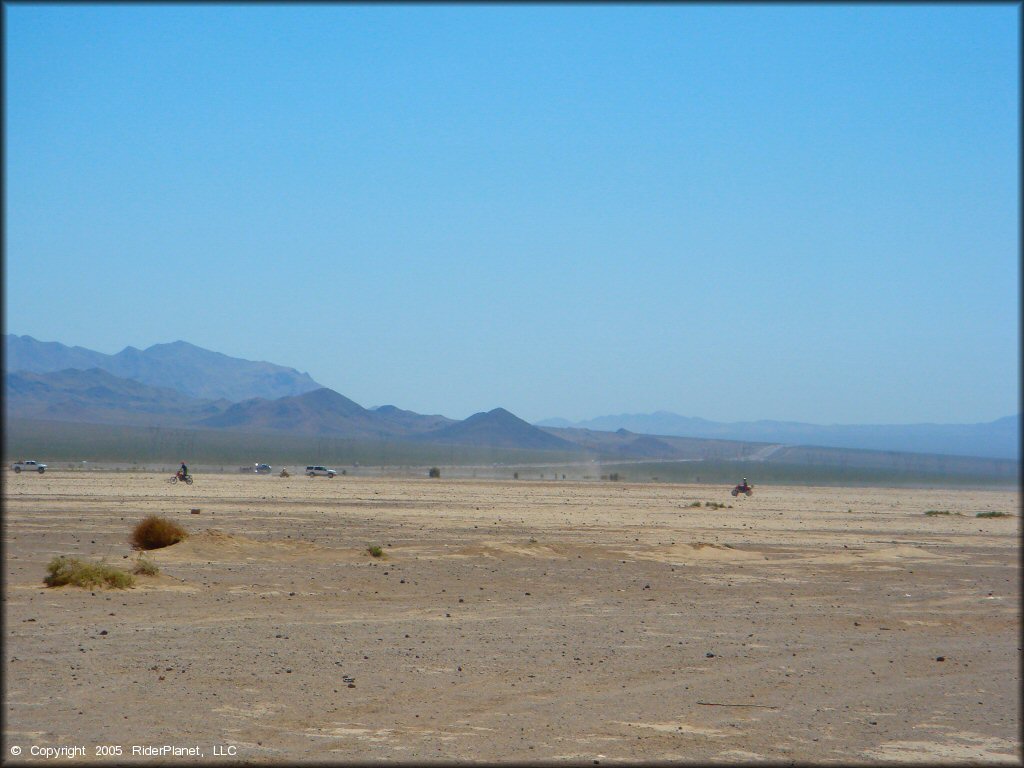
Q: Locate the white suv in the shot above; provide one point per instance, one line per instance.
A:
(30, 466)
(323, 471)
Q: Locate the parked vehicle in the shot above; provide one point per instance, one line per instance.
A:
(262, 469)
(28, 466)
(312, 471)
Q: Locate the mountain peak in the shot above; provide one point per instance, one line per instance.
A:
(180, 365)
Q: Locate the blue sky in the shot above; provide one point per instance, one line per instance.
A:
(739, 212)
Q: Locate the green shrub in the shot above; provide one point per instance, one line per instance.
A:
(695, 504)
(993, 514)
(155, 532)
(934, 512)
(375, 551)
(434, 472)
(70, 570)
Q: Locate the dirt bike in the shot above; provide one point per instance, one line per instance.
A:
(741, 488)
(187, 479)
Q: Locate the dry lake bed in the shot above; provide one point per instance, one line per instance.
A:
(513, 621)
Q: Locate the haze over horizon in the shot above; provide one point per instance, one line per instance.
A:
(795, 213)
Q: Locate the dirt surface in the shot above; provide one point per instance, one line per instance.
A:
(515, 621)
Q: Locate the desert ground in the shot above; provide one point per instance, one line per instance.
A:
(524, 621)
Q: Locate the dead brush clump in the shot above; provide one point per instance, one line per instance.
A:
(156, 532)
(144, 567)
(80, 573)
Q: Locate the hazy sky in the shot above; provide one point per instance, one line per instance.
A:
(736, 212)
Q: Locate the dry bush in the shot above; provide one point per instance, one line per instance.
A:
(71, 570)
(155, 532)
(144, 567)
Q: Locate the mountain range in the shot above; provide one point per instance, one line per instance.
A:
(179, 365)
(994, 439)
(181, 385)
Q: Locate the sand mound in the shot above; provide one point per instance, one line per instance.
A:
(214, 545)
(696, 552)
(504, 549)
(893, 554)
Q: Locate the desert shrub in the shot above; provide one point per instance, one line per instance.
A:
(434, 472)
(993, 514)
(614, 477)
(144, 567)
(71, 570)
(155, 532)
(695, 504)
(936, 512)
(375, 551)
(714, 504)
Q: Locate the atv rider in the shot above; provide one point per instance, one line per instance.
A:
(744, 485)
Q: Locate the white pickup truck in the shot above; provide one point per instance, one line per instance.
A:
(28, 466)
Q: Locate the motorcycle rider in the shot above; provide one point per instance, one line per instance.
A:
(183, 472)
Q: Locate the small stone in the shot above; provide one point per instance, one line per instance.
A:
(940, 658)
(710, 655)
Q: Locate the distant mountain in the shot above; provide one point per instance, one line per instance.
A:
(320, 412)
(410, 421)
(179, 365)
(95, 396)
(996, 439)
(179, 384)
(499, 429)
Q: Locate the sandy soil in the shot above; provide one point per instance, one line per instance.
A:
(519, 621)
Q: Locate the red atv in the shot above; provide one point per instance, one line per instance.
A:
(743, 487)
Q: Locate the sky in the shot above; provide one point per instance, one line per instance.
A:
(737, 212)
